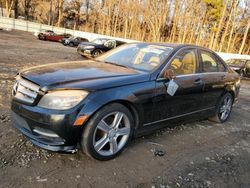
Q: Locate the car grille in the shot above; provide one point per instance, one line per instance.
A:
(25, 91)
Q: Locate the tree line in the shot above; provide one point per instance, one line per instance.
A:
(221, 25)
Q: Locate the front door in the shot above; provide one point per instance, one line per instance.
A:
(188, 97)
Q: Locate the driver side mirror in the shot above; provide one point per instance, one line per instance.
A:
(169, 74)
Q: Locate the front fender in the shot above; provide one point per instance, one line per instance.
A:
(137, 95)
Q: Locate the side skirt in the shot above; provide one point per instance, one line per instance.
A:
(175, 121)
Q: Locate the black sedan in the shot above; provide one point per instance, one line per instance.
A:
(136, 88)
(73, 41)
(241, 66)
(97, 46)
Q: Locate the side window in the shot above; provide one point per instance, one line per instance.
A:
(221, 66)
(184, 62)
(110, 44)
(248, 64)
(210, 63)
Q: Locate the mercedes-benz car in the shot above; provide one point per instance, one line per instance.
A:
(99, 105)
(97, 47)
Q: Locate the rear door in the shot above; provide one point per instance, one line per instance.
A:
(214, 76)
(188, 97)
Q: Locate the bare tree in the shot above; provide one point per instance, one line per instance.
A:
(215, 42)
(60, 12)
(8, 7)
(245, 37)
(1, 4)
(222, 25)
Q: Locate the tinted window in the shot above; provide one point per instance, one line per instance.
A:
(110, 44)
(100, 41)
(184, 62)
(210, 63)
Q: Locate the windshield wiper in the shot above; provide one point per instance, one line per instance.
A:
(116, 64)
(108, 62)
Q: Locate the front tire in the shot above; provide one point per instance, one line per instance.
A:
(242, 74)
(108, 132)
(41, 37)
(96, 53)
(223, 109)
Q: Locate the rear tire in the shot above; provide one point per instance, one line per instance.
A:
(108, 132)
(223, 109)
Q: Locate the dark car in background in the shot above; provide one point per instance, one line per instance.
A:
(241, 66)
(97, 46)
(73, 41)
(102, 103)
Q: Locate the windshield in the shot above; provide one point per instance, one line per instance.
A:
(237, 62)
(72, 37)
(145, 57)
(99, 41)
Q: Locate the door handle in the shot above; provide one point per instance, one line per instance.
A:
(198, 82)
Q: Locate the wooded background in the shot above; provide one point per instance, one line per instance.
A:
(221, 25)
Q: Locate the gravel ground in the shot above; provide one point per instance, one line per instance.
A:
(198, 154)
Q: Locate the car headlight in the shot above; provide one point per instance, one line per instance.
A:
(62, 100)
(89, 47)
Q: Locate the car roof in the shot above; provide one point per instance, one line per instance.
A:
(110, 39)
(174, 45)
(239, 59)
(102, 39)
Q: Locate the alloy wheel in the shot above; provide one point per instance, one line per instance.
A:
(225, 108)
(111, 134)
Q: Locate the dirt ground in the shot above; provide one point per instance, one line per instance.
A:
(199, 154)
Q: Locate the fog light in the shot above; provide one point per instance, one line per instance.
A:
(45, 132)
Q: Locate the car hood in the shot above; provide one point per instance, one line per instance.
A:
(83, 44)
(88, 74)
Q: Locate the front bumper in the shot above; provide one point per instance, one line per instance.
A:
(84, 52)
(48, 130)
